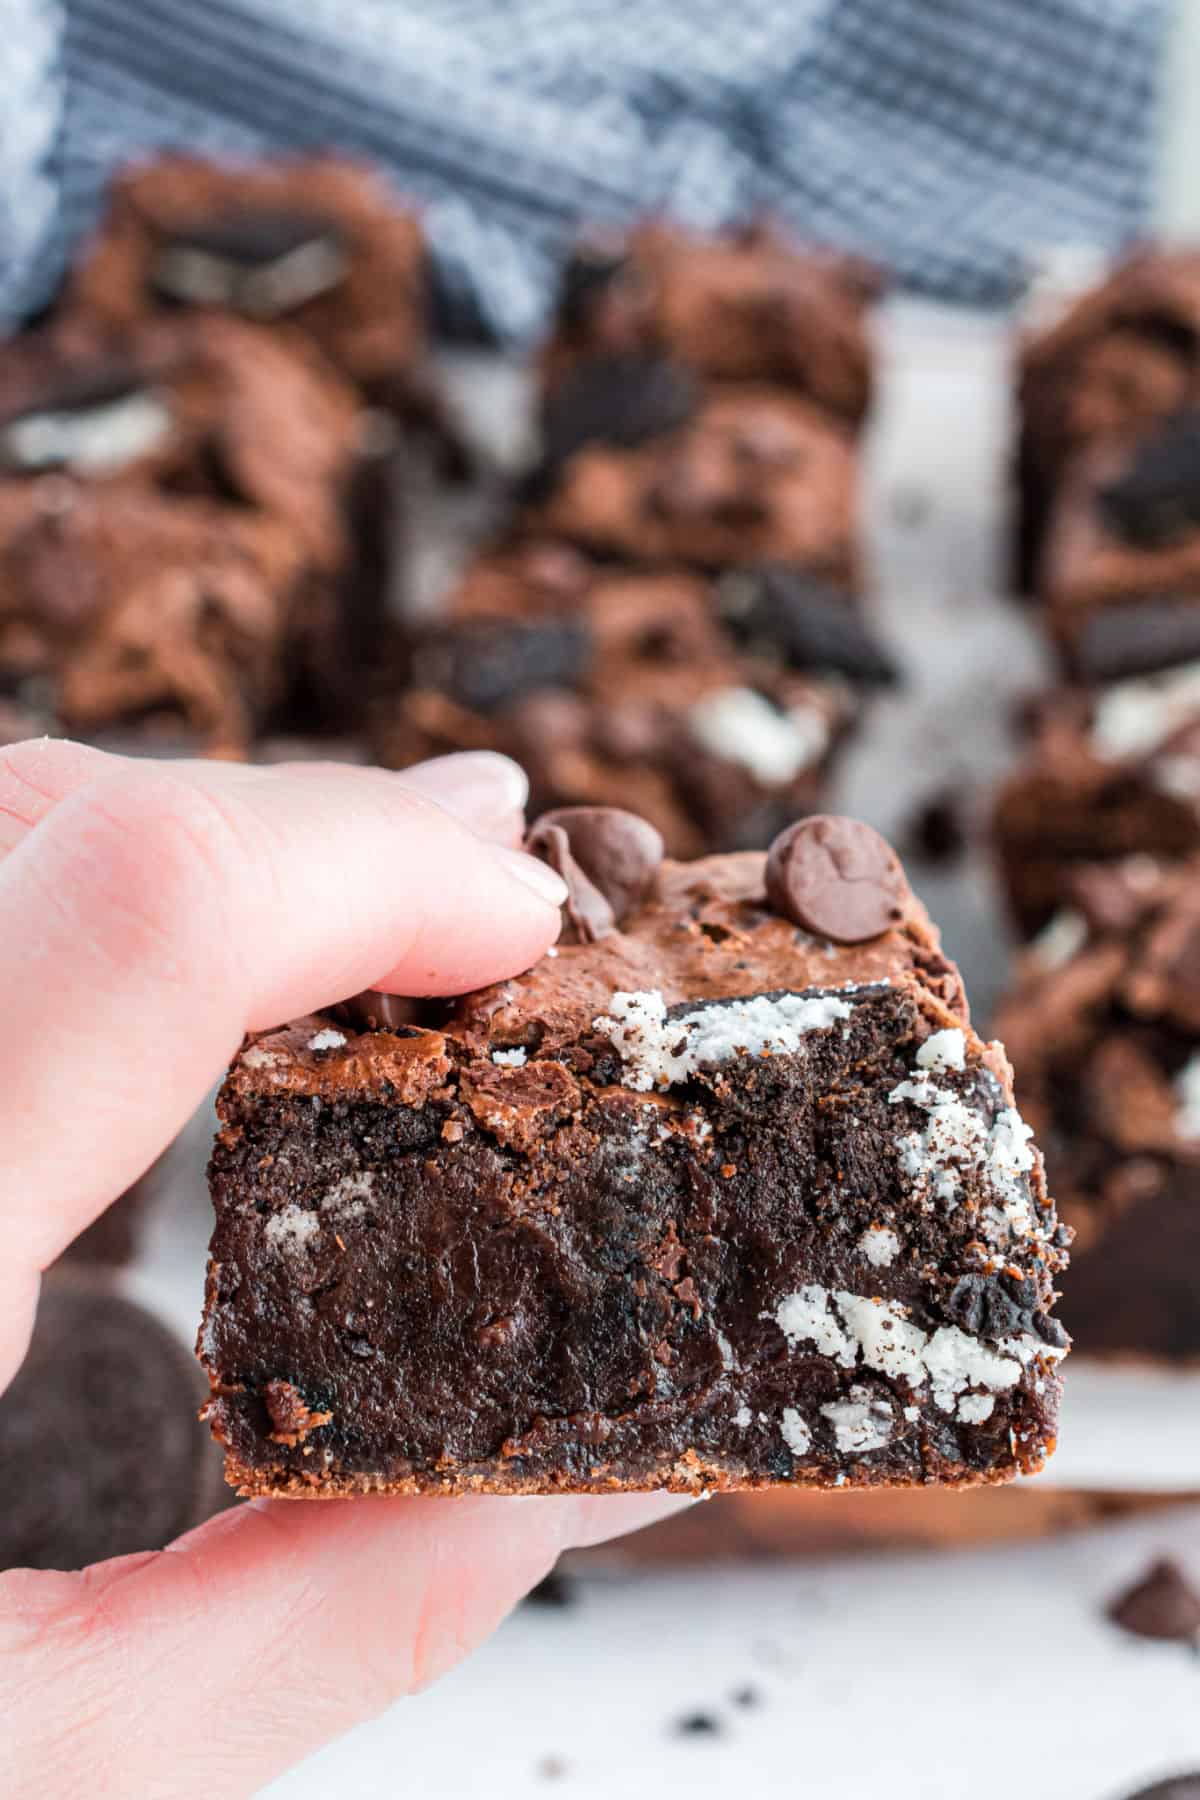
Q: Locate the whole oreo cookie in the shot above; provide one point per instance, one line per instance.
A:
(100, 1442)
(1157, 499)
(485, 664)
(784, 613)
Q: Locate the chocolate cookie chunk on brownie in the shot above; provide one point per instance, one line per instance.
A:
(745, 306)
(715, 710)
(99, 1442)
(754, 475)
(1109, 773)
(1124, 357)
(318, 243)
(1104, 1029)
(1119, 573)
(724, 1192)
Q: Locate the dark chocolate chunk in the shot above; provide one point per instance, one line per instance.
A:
(1157, 498)
(802, 621)
(621, 400)
(1162, 1604)
(1138, 637)
(485, 664)
(619, 852)
(100, 1444)
(836, 878)
(589, 914)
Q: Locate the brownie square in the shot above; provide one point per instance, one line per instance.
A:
(1119, 572)
(1108, 773)
(723, 1193)
(177, 620)
(1120, 359)
(753, 475)
(714, 709)
(1104, 1026)
(317, 243)
(746, 306)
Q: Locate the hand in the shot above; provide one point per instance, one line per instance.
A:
(149, 915)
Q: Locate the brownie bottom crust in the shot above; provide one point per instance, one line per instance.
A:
(827, 1267)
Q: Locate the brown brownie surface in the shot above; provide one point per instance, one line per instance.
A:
(617, 1223)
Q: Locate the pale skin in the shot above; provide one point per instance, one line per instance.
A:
(149, 915)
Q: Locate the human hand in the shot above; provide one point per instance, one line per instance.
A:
(149, 915)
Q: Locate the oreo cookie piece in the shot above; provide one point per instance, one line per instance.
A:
(93, 419)
(1138, 637)
(262, 262)
(484, 664)
(623, 400)
(1157, 499)
(101, 1447)
(792, 617)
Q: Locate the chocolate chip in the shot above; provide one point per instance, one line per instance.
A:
(1139, 637)
(836, 878)
(589, 915)
(372, 1011)
(782, 612)
(623, 400)
(485, 664)
(1162, 1604)
(1156, 500)
(619, 852)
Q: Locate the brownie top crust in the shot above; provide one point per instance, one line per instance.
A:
(705, 932)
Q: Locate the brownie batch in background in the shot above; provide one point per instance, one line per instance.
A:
(194, 532)
(1104, 1030)
(1107, 773)
(713, 709)
(724, 1192)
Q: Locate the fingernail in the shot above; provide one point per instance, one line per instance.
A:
(534, 875)
(477, 786)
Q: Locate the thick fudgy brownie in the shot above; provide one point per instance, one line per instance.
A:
(99, 1443)
(1108, 773)
(1104, 1029)
(1121, 358)
(753, 475)
(746, 306)
(178, 618)
(1119, 573)
(724, 1192)
(317, 242)
(713, 709)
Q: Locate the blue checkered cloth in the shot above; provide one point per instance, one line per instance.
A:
(946, 139)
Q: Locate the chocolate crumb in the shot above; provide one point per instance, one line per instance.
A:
(290, 1413)
(552, 1768)
(699, 1724)
(746, 1697)
(1162, 1604)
